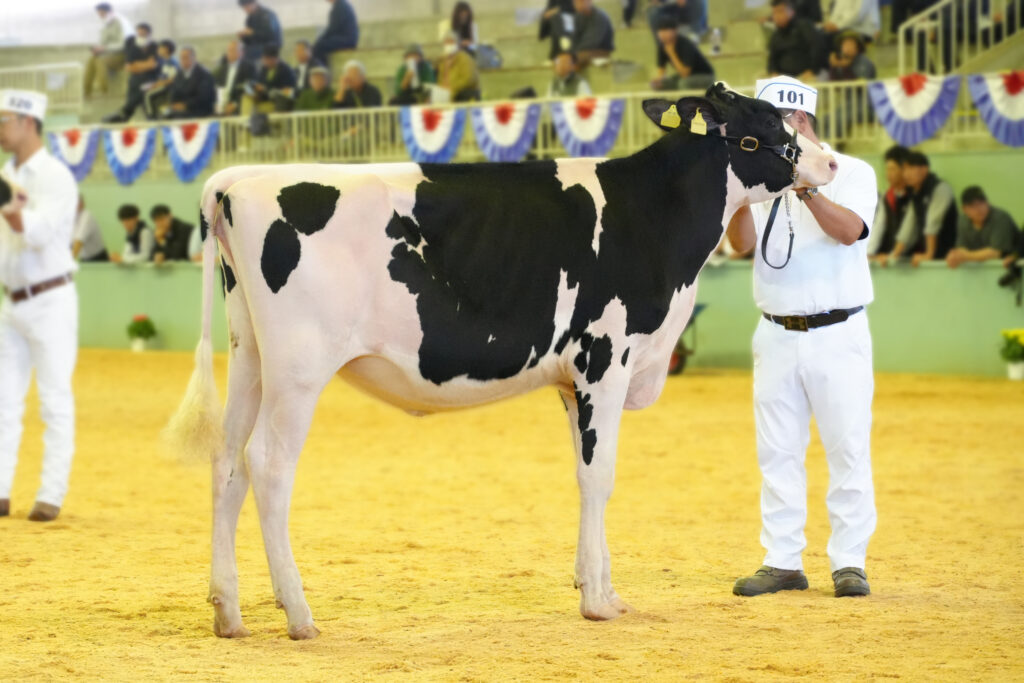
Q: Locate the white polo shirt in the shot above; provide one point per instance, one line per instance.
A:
(823, 274)
(43, 251)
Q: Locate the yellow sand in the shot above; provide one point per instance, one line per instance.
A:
(442, 547)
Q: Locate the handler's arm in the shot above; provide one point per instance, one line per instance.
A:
(837, 222)
(740, 232)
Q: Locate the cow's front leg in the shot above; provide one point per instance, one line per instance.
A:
(594, 414)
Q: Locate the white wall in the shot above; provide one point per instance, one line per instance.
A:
(71, 22)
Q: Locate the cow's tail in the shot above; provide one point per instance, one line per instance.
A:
(196, 431)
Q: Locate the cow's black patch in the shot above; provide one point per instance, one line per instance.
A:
(600, 359)
(225, 206)
(499, 236)
(204, 227)
(625, 357)
(228, 275)
(308, 206)
(403, 228)
(588, 436)
(281, 251)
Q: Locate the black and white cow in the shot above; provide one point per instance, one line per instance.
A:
(435, 287)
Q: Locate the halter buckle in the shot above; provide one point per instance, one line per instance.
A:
(789, 153)
(749, 144)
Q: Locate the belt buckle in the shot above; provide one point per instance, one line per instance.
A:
(797, 323)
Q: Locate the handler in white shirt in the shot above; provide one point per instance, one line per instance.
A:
(812, 355)
(39, 313)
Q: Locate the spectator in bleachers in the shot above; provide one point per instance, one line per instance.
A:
(171, 236)
(138, 238)
(457, 74)
(849, 62)
(342, 32)
(795, 48)
(556, 23)
(87, 240)
(318, 96)
(690, 70)
(142, 65)
(262, 30)
(593, 36)
(354, 91)
(304, 62)
(193, 94)
(892, 204)
(273, 89)
(805, 9)
(859, 16)
(231, 77)
(984, 232)
(107, 56)
(412, 78)
(691, 16)
(928, 230)
(464, 27)
(156, 93)
(567, 81)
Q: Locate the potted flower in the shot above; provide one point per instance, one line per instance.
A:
(140, 329)
(1013, 353)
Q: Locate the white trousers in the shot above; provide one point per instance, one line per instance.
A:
(826, 372)
(41, 334)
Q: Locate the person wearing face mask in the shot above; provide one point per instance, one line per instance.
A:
(412, 77)
(143, 66)
(457, 72)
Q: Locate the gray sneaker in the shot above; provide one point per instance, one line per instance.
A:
(770, 580)
(850, 582)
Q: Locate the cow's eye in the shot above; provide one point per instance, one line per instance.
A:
(773, 122)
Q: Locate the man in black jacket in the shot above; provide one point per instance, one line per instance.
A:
(193, 92)
(273, 88)
(142, 65)
(171, 235)
(342, 32)
(796, 46)
(232, 75)
(262, 29)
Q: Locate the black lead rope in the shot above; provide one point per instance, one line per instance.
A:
(768, 231)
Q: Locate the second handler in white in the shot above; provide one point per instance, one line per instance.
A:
(39, 313)
(812, 355)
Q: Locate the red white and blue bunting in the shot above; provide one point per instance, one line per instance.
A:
(77, 149)
(913, 108)
(129, 152)
(190, 147)
(432, 135)
(588, 127)
(1000, 101)
(505, 132)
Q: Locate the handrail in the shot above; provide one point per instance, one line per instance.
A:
(62, 83)
(951, 33)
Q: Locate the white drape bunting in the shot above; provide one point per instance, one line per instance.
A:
(77, 149)
(913, 108)
(190, 147)
(505, 132)
(588, 127)
(1000, 101)
(432, 135)
(129, 152)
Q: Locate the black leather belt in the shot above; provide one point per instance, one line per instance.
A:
(19, 295)
(802, 323)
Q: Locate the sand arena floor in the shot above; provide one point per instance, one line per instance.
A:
(442, 548)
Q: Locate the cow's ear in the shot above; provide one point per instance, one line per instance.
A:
(688, 106)
(663, 113)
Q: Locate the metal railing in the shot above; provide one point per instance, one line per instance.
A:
(62, 83)
(845, 119)
(952, 33)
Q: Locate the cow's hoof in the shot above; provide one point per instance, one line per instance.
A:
(607, 611)
(621, 605)
(307, 632)
(233, 632)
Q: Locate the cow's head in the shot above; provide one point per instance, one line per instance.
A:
(764, 152)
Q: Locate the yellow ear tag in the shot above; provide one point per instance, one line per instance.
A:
(670, 118)
(698, 126)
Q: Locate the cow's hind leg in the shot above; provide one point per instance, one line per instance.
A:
(594, 414)
(230, 476)
(286, 410)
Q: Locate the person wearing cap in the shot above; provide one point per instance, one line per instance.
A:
(262, 30)
(107, 55)
(690, 69)
(318, 96)
(341, 33)
(39, 312)
(412, 77)
(193, 94)
(143, 67)
(812, 356)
